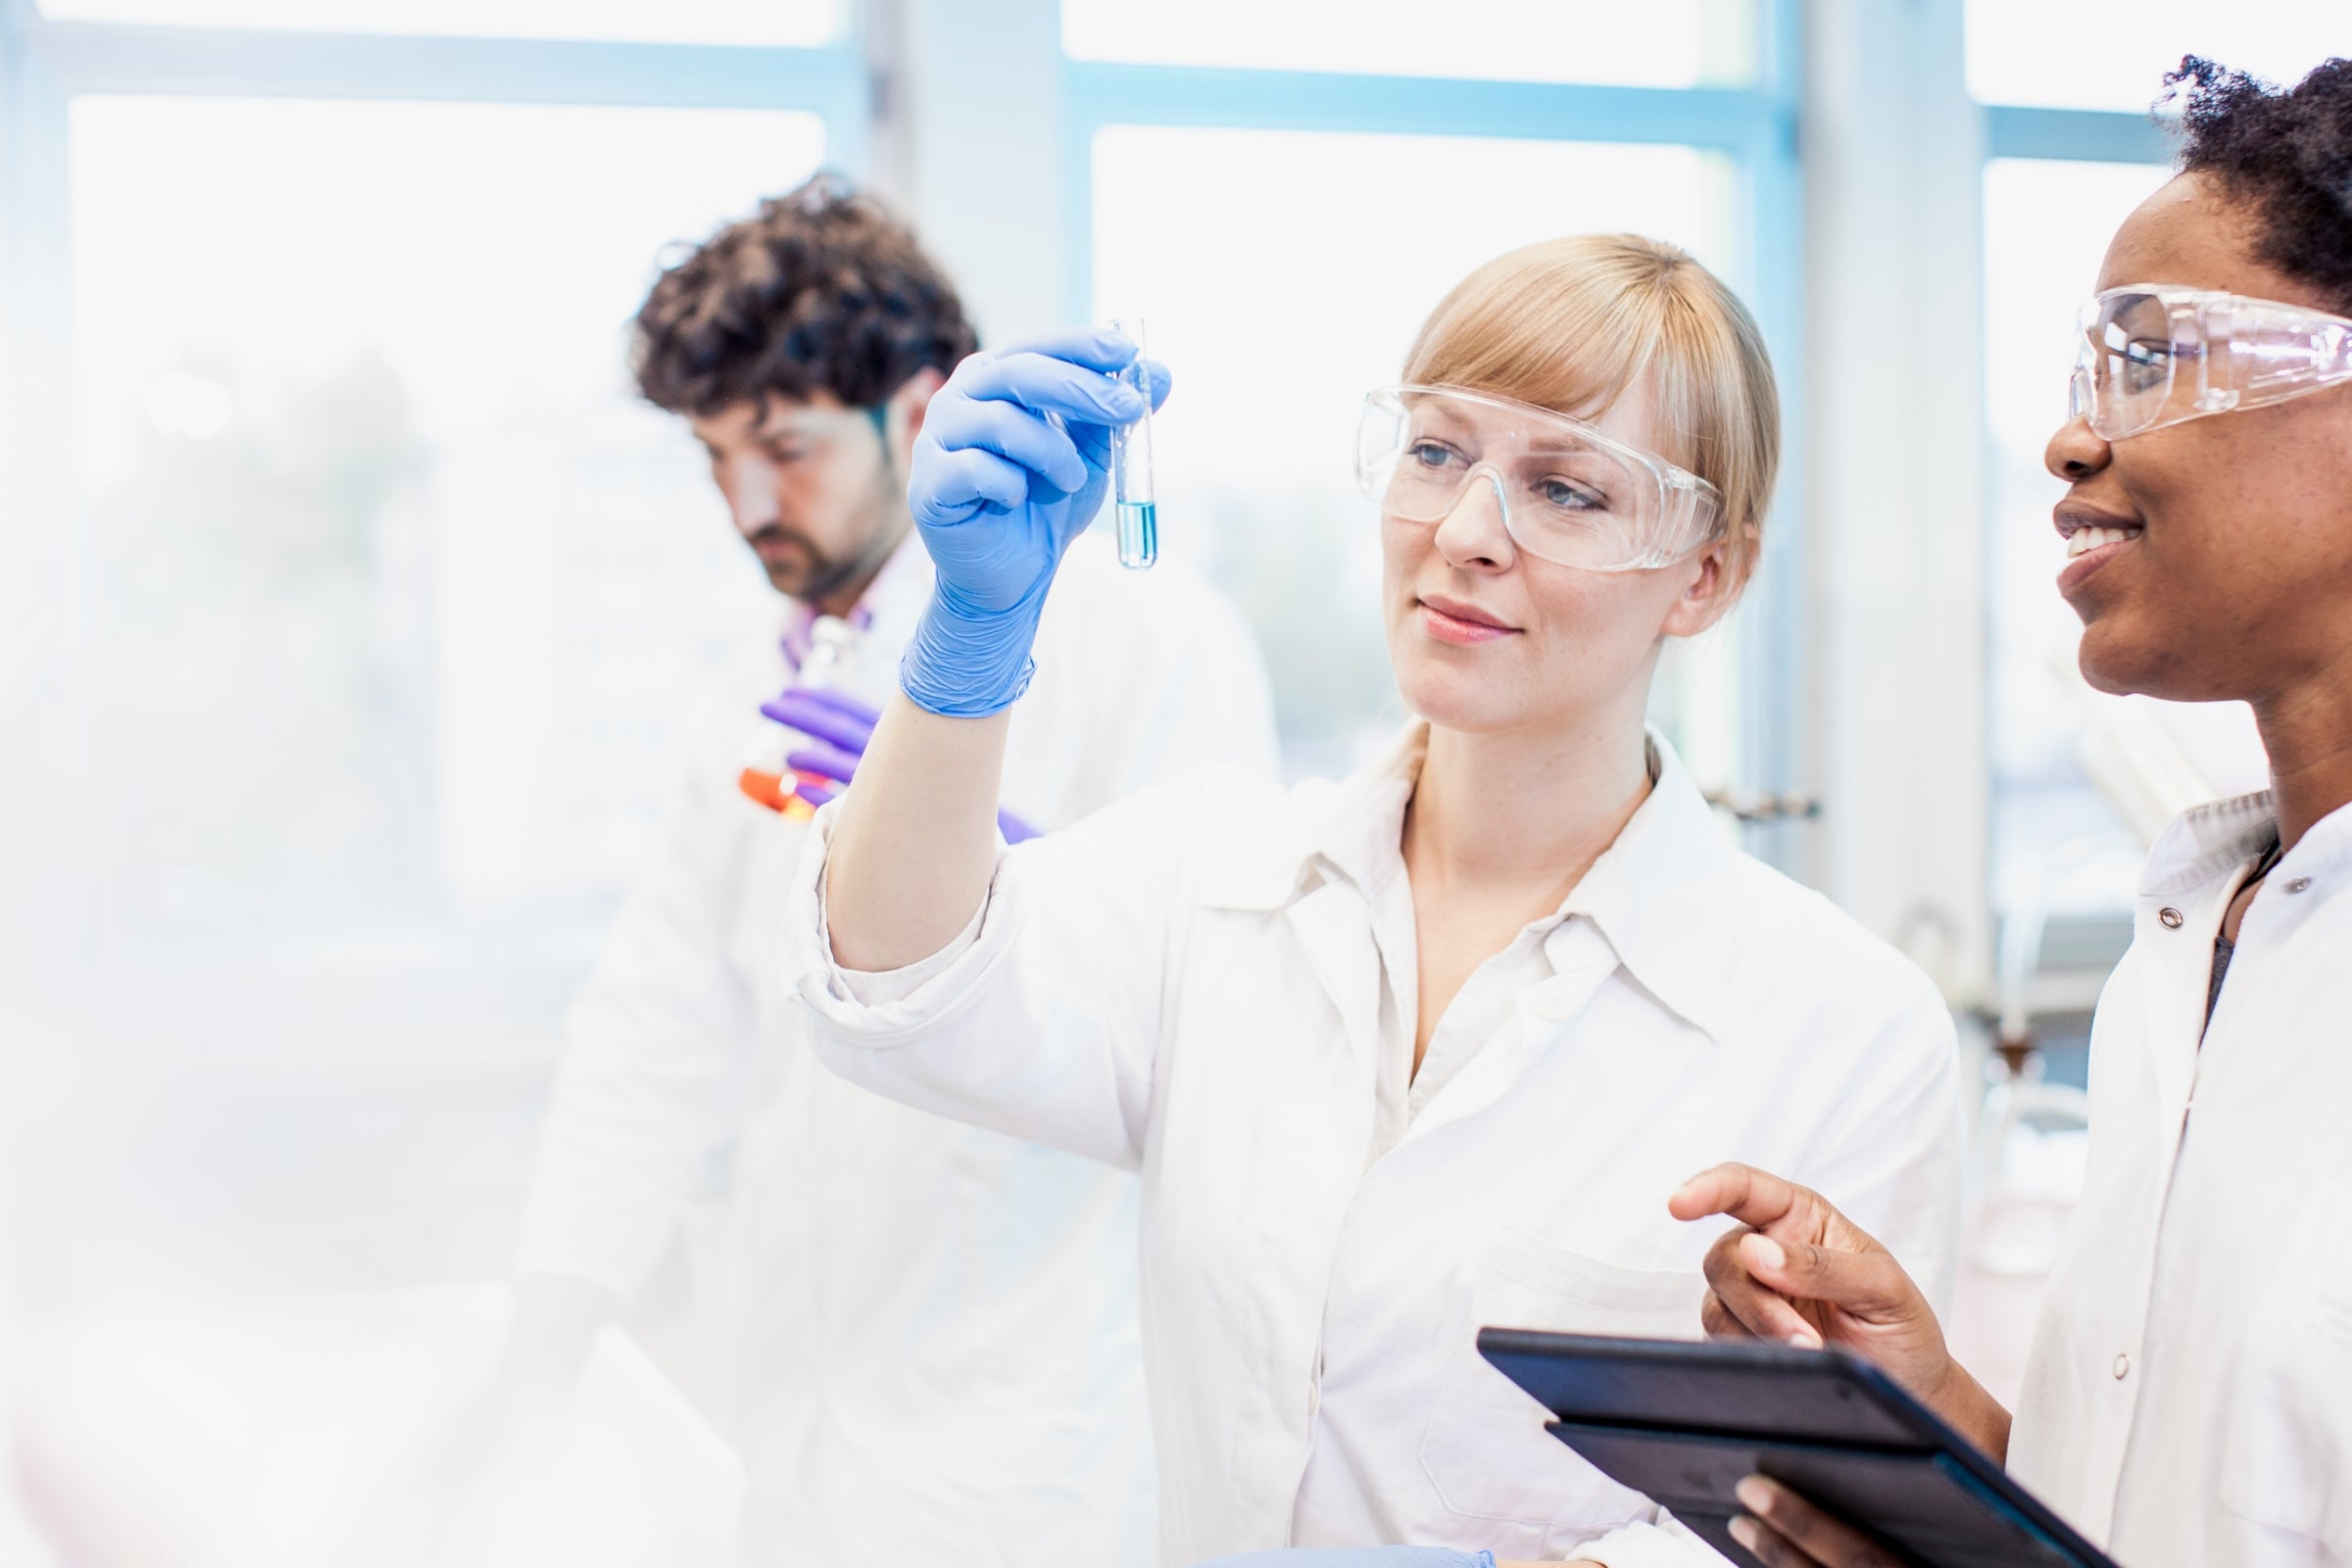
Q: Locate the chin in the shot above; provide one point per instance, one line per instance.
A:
(1456, 697)
(2114, 661)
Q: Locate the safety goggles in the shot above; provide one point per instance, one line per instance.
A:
(2155, 353)
(1567, 493)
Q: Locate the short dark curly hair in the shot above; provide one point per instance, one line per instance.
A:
(820, 290)
(2286, 155)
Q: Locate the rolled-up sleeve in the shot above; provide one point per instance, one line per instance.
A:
(1042, 1019)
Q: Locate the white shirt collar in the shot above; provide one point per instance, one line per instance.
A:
(1662, 896)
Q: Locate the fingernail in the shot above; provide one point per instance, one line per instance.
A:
(1805, 1340)
(1769, 1253)
(1744, 1531)
(1754, 1494)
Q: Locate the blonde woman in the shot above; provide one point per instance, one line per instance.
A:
(1427, 1049)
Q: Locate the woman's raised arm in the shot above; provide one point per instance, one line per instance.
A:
(1009, 469)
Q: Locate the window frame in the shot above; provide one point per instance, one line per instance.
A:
(1755, 126)
(2035, 134)
(45, 65)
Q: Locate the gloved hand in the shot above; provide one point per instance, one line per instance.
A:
(838, 728)
(1009, 467)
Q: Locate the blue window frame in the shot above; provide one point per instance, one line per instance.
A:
(1753, 126)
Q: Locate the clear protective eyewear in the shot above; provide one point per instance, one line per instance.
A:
(2155, 353)
(1567, 493)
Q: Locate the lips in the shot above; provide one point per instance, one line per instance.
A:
(1449, 620)
(2093, 539)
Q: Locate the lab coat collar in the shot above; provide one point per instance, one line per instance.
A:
(2207, 842)
(1666, 895)
(1362, 838)
(1320, 833)
(1669, 897)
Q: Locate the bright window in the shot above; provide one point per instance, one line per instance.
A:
(400, 593)
(711, 21)
(1664, 43)
(2080, 56)
(1283, 275)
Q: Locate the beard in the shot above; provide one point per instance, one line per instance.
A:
(798, 567)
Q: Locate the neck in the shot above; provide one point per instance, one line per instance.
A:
(842, 597)
(2308, 733)
(1529, 811)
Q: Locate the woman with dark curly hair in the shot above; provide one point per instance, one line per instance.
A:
(2189, 1397)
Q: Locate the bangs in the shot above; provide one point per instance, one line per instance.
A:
(1523, 328)
(1573, 324)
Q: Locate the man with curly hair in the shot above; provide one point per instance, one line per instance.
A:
(901, 1393)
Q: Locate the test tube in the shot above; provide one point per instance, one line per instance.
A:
(1131, 467)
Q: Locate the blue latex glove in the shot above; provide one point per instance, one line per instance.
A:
(1358, 1557)
(838, 728)
(1009, 467)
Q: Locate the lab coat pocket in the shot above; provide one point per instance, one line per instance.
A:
(1485, 1449)
(2286, 1440)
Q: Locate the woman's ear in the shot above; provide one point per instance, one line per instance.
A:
(1713, 588)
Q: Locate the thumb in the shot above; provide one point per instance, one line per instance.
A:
(1158, 381)
(1865, 1284)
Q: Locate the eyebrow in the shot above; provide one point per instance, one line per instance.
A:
(789, 431)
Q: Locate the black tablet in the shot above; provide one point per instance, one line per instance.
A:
(1682, 1421)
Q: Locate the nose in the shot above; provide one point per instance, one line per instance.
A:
(1474, 534)
(2076, 451)
(750, 486)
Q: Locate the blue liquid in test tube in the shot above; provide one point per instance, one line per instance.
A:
(1137, 512)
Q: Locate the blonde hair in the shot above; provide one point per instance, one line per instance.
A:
(1570, 324)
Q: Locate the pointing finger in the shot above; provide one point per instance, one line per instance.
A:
(1747, 1195)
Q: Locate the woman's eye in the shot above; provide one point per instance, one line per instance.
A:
(1569, 497)
(2143, 363)
(1430, 454)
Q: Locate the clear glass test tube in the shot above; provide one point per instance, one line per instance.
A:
(1137, 513)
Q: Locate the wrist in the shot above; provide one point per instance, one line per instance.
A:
(1964, 1404)
(964, 662)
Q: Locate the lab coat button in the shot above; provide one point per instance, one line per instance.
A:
(2123, 1365)
(2301, 884)
(1550, 1006)
(2171, 917)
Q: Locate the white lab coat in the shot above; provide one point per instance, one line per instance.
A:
(1213, 984)
(940, 1358)
(2188, 1400)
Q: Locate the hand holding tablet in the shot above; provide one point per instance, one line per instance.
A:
(1797, 1272)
